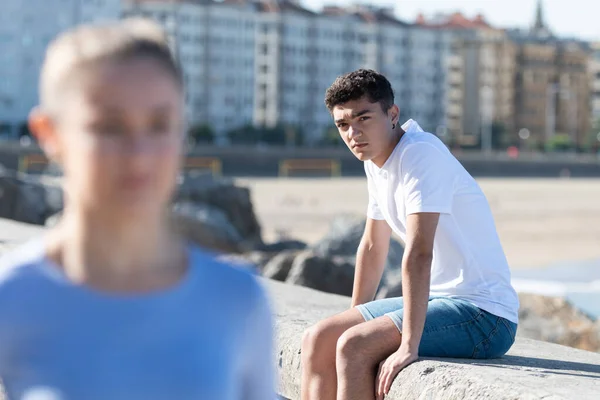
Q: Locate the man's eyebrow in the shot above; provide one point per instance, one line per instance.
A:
(354, 115)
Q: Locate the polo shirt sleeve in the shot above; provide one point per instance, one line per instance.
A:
(428, 179)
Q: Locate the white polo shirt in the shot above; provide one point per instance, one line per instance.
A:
(421, 175)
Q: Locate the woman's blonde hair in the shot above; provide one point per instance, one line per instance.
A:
(86, 46)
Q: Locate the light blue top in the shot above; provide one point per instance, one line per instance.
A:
(209, 337)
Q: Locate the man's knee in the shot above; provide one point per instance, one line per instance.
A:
(315, 342)
(349, 345)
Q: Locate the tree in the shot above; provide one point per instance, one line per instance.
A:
(24, 130)
(275, 135)
(499, 135)
(331, 137)
(202, 133)
(560, 142)
(246, 134)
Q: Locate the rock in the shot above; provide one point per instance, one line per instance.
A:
(53, 220)
(278, 268)
(26, 199)
(233, 201)
(214, 214)
(203, 225)
(254, 260)
(327, 274)
(554, 319)
(343, 238)
(210, 216)
(202, 234)
(392, 288)
(282, 245)
(258, 258)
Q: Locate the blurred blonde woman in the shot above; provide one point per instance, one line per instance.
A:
(110, 304)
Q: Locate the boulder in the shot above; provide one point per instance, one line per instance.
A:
(391, 288)
(189, 217)
(278, 268)
(214, 214)
(234, 201)
(288, 244)
(327, 274)
(204, 235)
(24, 198)
(554, 319)
(257, 258)
(343, 238)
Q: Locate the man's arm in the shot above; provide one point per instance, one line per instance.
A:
(416, 273)
(416, 276)
(370, 260)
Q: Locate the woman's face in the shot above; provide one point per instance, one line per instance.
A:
(119, 138)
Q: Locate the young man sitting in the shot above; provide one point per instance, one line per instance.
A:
(457, 297)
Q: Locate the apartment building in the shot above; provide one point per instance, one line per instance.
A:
(594, 70)
(215, 45)
(481, 71)
(289, 56)
(552, 85)
(552, 89)
(26, 28)
(413, 58)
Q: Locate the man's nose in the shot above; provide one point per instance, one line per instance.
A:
(353, 132)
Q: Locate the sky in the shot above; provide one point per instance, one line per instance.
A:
(572, 18)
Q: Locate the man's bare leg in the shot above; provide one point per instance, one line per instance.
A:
(359, 351)
(319, 379)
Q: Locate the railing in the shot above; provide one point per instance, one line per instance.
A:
(202, 163)
(289, 165)
(26, 161)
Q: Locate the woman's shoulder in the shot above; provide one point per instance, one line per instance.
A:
(22, 267)
(230, 276)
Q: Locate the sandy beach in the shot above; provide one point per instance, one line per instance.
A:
(540, 221)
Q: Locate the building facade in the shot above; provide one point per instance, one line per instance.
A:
(480, 73)
(278, 73)
(26, 29)
(215, 46)
(594, 70)
(552, 85)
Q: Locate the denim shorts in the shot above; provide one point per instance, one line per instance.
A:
(453, 327)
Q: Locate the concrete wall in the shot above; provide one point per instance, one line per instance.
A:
(531, 370)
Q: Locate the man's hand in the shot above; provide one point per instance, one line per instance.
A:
(389, 369)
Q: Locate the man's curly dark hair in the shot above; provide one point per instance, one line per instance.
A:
(359, 83)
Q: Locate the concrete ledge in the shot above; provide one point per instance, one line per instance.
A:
(531, 370)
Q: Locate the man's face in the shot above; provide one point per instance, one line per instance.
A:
(365, 127)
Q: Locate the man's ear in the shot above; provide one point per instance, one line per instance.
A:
(43, 128)
(394, 113)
